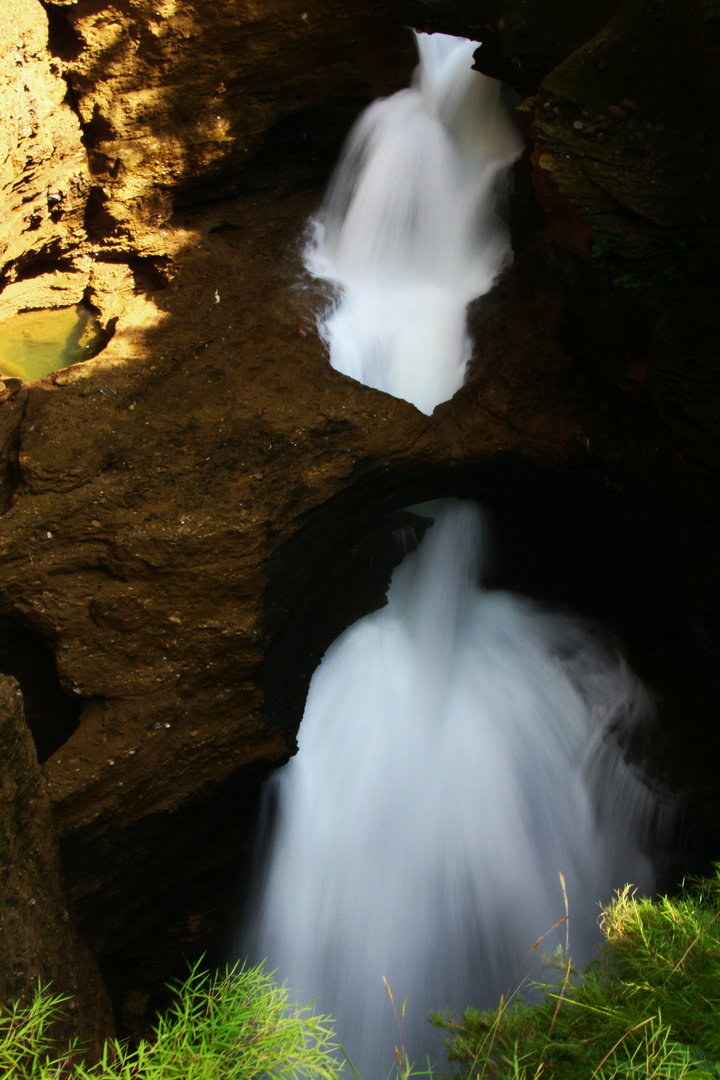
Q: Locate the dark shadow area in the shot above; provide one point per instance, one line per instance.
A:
(45, 265)
(51, 715)
(296, 153)
(145, 928)
(64, 41)
(352, 582)
(151, 272)
(99, 222)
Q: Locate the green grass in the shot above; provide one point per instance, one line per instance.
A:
(650, 1007)
(233, 1027)
(26, 1045)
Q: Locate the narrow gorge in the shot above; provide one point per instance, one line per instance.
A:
(193, 515)
(460, 767)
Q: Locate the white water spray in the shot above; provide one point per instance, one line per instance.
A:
(457, 751)
(408, 232)
(459, 747)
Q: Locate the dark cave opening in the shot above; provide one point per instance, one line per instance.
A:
(51, 714)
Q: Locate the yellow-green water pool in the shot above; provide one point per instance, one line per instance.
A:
(34, 343)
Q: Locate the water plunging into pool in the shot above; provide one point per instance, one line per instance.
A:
(459, 748)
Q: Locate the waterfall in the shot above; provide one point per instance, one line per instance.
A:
(460, 747)
(408, 234)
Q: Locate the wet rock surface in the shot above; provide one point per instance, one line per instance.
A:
(626, 161)
(627, 129)
(192, 516)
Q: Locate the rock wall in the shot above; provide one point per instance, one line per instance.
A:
(38, 942)
(627, 129)
(44, 176)
(184, 514)
(626, 160)
(118, 111)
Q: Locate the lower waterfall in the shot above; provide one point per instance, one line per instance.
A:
(458, 750)
(461, 747)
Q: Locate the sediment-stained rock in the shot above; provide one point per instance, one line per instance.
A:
(121, 110)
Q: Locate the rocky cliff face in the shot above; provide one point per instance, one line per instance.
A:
(627, 132)
(192, 516)
(118, 112)
(38, 941)
(44, 177)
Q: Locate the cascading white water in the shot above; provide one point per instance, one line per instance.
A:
(459, 747)
(457, 751)
(408, 231)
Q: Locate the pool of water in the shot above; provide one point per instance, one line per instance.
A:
(34, 343)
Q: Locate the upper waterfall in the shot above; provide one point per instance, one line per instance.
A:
(408, 231)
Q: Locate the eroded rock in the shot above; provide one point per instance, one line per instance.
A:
(627, 129)
(112, 113)
(44, 177)
(626, 166)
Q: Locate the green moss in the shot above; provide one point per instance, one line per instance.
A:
(655, 279)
